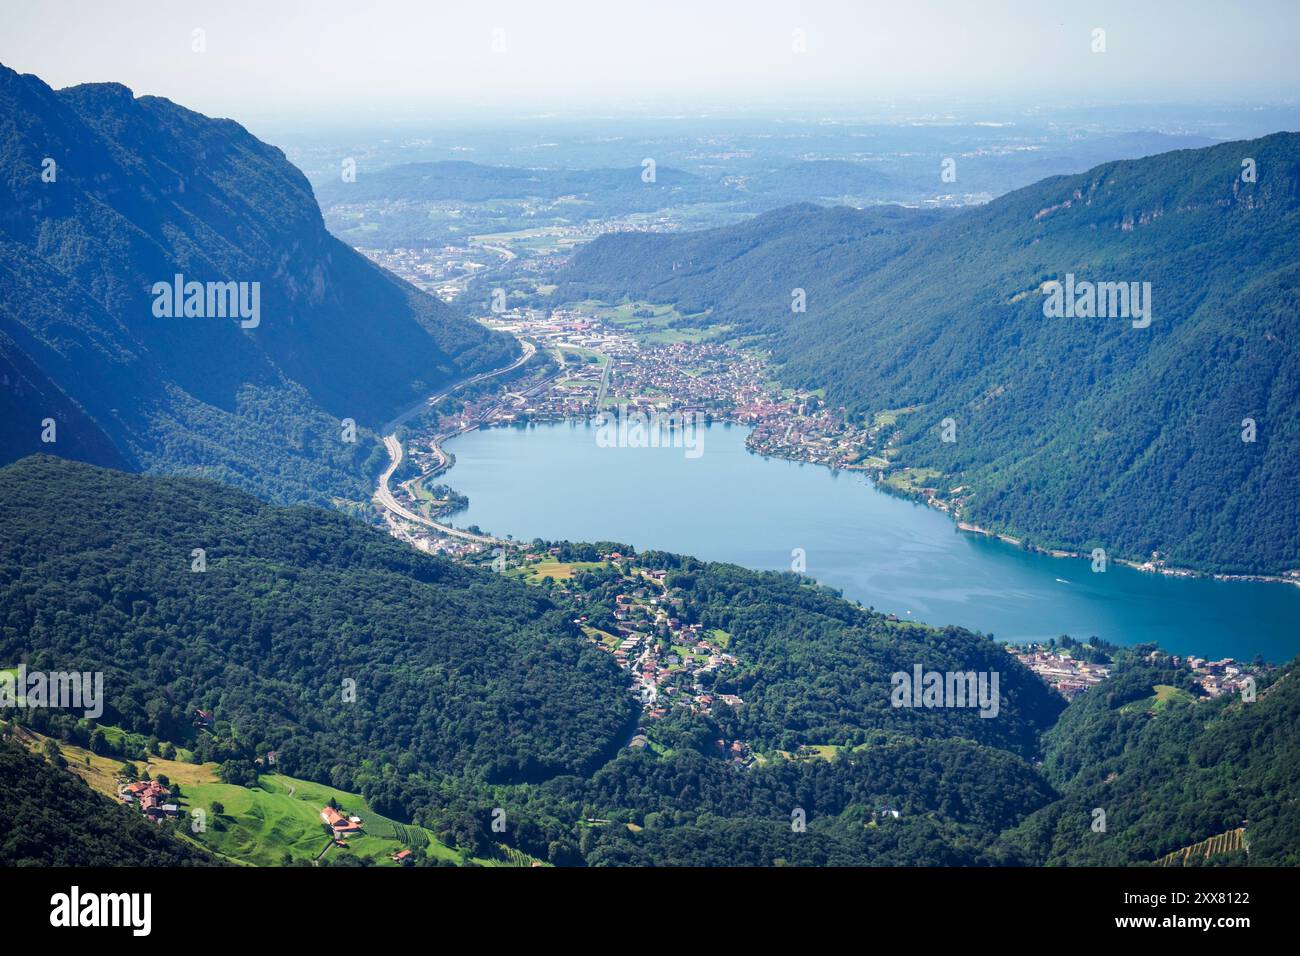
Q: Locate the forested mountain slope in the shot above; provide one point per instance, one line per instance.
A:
(1071, 432)
(428, 686)
(1169, 774)
(440, 691)
(102, 195)
(308, 633)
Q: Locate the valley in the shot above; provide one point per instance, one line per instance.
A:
(691, 490)
(648, 360)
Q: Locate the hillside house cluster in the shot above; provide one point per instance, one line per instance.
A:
(153, 799)
(1066, 675)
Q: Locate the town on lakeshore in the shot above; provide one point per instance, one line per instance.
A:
(593, 357)
(1067, 669)
(649, 358)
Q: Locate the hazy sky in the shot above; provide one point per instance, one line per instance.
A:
(355, 58)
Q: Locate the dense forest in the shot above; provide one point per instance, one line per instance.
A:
(1069, 432)
(306, 632)
(1170, 774)
(142, 190)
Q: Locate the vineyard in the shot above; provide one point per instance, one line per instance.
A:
(1229, 842)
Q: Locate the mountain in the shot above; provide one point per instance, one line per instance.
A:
(1073, 433)
(102, 196)
(437, 690)
(440, 691)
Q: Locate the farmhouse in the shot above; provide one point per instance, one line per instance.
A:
(151, 796)
(338, 822)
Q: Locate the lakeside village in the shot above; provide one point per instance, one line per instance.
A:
(669, 660)
(594, 368)
(706, 379)
(1070, 673)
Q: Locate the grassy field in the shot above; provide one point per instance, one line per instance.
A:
(890, 415)
(282, 815)
(580, 356)
(812, 752)
(555, 570)
(653, 328)
(258, 826)
(99, 773)
(911, 479)
(1163, 696)
(610, 641)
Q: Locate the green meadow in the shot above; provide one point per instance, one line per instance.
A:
(281, 815)
(556, 570)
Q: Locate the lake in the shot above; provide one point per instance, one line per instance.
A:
(553, 481)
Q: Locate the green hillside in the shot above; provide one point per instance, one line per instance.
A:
(309, 633)
(1170, 776)
(477, 697)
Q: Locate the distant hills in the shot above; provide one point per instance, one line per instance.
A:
(474, 182)
(699, 181)
(419, 204)
(1070, 432)
(102, 196)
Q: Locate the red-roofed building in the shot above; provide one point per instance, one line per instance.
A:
(338, 822)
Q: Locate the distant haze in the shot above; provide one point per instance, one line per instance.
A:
(355, 59)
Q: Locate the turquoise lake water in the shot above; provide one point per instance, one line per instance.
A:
(554, 481)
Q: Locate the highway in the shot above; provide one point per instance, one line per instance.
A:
(384, 495)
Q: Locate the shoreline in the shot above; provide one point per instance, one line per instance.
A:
(1146, 567)
(967, 527)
